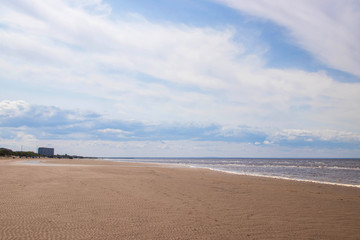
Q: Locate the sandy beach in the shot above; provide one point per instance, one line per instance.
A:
(92, 199)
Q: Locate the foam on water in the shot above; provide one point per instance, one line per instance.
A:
(287, 178)
(344, 172)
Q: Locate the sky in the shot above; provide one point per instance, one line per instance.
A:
(181, 78)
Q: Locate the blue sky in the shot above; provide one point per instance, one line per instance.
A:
(219, 78)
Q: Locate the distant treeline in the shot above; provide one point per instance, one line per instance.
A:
(4, 152)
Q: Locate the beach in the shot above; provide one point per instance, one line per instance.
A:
(94, 199)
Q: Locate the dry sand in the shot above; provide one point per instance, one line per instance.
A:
(89, 199)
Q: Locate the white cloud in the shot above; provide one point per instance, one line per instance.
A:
(166, 71)
(10, 109)
(329, 29)
(118, 132)
(322, 135)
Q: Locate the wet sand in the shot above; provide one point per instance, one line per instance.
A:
(90, 199)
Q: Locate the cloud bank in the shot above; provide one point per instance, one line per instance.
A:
(34, 123)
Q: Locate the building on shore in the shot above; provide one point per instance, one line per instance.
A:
(48, 152)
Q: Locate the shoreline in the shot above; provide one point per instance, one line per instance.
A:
(286, 178)
(241, 174)
(180, 165)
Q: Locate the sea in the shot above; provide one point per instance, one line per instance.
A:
(328, 171)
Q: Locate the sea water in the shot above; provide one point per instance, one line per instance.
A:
(331, 171)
